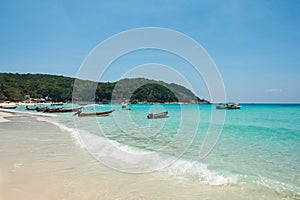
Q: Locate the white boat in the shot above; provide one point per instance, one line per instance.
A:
(126, 106)
(8, 106)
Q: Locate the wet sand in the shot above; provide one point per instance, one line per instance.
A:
(40, 161)
(4, 115)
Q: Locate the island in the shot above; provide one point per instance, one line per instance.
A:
(16, 87)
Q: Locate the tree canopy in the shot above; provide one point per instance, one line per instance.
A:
(18, 87)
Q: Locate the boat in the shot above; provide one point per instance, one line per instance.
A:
(27, 108)
(126, 106)
(38, 109)
(157, 115)
(105, 113)
(56, 104)
(8, 106)
(41, 109)
(61, 110)
(228, 106)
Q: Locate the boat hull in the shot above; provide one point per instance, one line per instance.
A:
(106, 113)
(228, 107)
(59, 110)
(8, 106)
(126, 106)
(158, 115)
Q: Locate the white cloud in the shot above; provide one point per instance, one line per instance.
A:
(273, 91)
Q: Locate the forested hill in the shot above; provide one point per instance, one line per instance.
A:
(18, 87)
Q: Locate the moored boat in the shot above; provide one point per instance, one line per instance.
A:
(157, 115)
(8, 106)
(36, 108)
(105, 113)
(126, 106)
(57, 104)
(28, 108)
(61, 110)
(228, 106)
(41, 109)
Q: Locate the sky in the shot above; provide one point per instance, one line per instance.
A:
(255, 44)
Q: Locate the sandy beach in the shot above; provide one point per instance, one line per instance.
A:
(41, 161)
(49, 165)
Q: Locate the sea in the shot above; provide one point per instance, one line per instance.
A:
(253, 150)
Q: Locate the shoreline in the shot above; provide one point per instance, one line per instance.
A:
(65, 103)
(36, 153)
(6, 114)
(31, 159)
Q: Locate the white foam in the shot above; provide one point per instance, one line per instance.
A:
(99, 146)
(128, 149)
(279, 186)
(198, 171)
(126, 158)
(120, 157)
(29, 113)
(74, 132)
(130, 159)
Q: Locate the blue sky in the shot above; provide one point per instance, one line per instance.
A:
(254, 43)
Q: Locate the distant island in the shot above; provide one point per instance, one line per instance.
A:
(21, 87)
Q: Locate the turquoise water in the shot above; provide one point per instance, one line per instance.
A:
(257, 150)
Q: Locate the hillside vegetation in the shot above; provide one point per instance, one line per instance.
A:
(18, 87)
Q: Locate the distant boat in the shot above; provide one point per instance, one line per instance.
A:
(126, 106)
(157, 115)
(27, 108)
(105, 113)
(41, 109)
(38, 109)
(61, 110)
(57, 104)
(228, 106)
(8, 106)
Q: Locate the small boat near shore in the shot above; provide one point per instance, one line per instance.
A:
(39, 109)
(228, 106)
(57, 104)
(61, 110)
(157, 115)
(8, 106)
(126, 106)
(105, 113)
(27, 108)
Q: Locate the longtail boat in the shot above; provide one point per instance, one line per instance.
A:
(41, 109)
(158, 115)
(27, 108)
(106, 113)
(61, 110)
(228, 106)
(38, 109)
